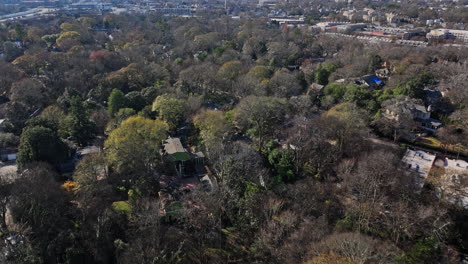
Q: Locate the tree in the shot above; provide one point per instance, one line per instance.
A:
(52, 117)
(231, 70)
(68, 35)
(121, 116)
(116, 101)
(8, 140)
(38, 202)
(329, 258)
(323, 72)
(284, 84)
(282, 53)
(11, 50)
(240, 174)
(335, 90)
(132, 152)
(31, 64)
(69, 27)
(283, 162)
(135, 100)
(50, 39)
(53, 113)
(259, 116)
(40, 144)
(349, 126)
(455, 86)
(354, 248)
(29, 91)
(207, 41)
(424, 251)
(92, 190)
(82, 129)
(309, 141)
(375, 62)
(261, 72)
(170, 109)
(375, 180)
(213, 127)
(9, 75)
(414, 87)
(6, 183)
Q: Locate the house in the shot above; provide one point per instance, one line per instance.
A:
(411, 109)
(87, 151)
(371, 81)
(315, 89)
(382, 73)
(8, 154)
(419, 162)
(430, 124)
(185, 162)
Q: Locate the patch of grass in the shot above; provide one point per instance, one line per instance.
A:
(430, 142)
(434, 143)
(122, 207)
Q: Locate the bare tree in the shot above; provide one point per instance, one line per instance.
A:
(357, 248)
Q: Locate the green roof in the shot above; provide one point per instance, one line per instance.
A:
(180, 156)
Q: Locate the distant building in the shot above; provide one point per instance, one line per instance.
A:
(348, 28)
(393, 18)
(91, 6)
(183, 11)
(288, 21)
(432, 22)
(328, 26)
(461, 35)
(262, 3)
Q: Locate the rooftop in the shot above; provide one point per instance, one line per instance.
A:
(174, 148)
(419, 161)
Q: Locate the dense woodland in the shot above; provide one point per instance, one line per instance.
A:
(298, 178)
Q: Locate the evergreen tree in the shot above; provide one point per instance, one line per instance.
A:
(116, 101)
(38, 143)
(82, 129)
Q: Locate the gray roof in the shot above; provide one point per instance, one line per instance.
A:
(316, 86)
(420, 108)
(404, 106)
(173, 145)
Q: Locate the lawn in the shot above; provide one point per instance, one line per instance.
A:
(434, 143)
(430, 142)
